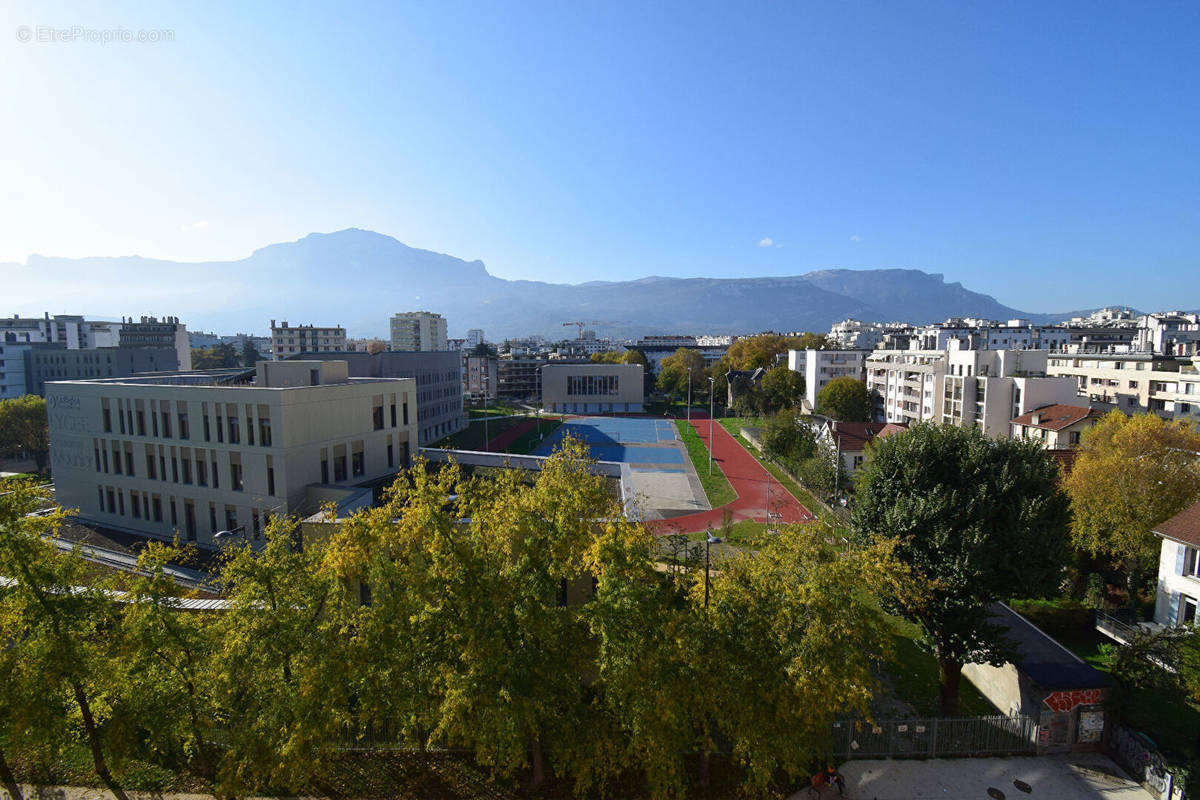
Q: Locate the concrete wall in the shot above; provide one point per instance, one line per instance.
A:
(1174, 588)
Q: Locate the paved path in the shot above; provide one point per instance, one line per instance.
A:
(757, 490)
(1072, 776)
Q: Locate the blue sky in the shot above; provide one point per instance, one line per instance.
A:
(1045, 153)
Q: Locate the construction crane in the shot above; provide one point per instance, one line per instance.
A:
(580, 326)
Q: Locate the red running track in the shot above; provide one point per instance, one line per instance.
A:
(498, 443)
(757, 490)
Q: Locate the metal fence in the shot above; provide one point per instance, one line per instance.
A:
(934, 738)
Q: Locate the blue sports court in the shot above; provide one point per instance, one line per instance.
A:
(628, 439)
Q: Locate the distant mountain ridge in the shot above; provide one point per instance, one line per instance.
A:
(359, 278)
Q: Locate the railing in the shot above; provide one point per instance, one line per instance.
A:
(933, 737)
(1114, 628)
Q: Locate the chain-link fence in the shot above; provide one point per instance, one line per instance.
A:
(933, 737)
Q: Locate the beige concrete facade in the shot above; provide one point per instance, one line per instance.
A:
(593, 388)
(1135, 383)
(419, 331)
(289, 340)
(200, 452)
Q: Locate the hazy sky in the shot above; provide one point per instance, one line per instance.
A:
(1045, 153)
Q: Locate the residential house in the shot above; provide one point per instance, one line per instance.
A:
(1178, 598)
(1056, 426)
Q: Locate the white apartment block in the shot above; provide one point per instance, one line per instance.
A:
(1135, 382)
(287, 340)
(474, 337)
(418, 331)
(1171, 333)
(197, 453)
(819, 367)
(983, 388)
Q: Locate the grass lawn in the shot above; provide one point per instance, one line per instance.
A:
(496, 410)
(1167, 718)
(915, 676)
(745, 533)
(716, 486)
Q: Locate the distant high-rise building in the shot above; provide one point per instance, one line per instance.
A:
(153, 332)
(287, 341)
(474, 337)
(418, 331)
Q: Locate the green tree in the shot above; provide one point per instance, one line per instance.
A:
(284, 675)
(219, 356)
(781, 388)
(673, 373)
(163, 701)
(1131, 474)
(792, 641)
(55, 620)
(845, 399)
(787, 439)
(250, 354)
(483, 349)
(24, 426)
(975, 520)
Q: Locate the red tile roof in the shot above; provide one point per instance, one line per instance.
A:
(853, 437)
(1065, 456)
(1183, 527)
(1056, 417)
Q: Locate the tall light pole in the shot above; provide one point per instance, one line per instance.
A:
(689, 394)
(708, 541)
(538, 375)
(712, 384)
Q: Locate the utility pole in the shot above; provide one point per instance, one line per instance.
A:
(689, 394)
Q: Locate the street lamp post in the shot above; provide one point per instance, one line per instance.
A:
(538, 375)
(486, 441)
(709, 540)
(711, 391)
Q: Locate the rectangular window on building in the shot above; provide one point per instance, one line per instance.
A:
(184, 431)
(187, 468)
(129, 460)
(220, 430)
(357, 464)
(174, 514)
(393, 411)
(204, 417)
(235, 472)
(150, 471)
(234, 434)
(212, 517)
(339, 463)
(112, 506)
(106, 416)
(391, 462)
(250, 425)
(405, 409)
(133, 503)
(231, 518)
(270, 476)
(216, 478)
(154, 418)
(141, 422)
(324, 466)
(121, 502)
(201, 472)
(100, 494)
(156, 506)
(121, 416)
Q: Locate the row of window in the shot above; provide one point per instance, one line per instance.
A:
(188, 466)
(593, 385)
(179, 513)
(133, 418)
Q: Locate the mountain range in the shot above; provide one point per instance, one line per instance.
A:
(358, 279)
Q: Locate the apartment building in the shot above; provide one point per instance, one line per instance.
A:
(195, 453)
(156, 333)
(1057, 426)
(984, 388)
(819, 367)
(288, 341)
(439, 384)
(656, 348)
(519, 378)
(1135, 382)
(1171, 333)
(474, 337)
(480, 376)
(418, 331)
(593, 388)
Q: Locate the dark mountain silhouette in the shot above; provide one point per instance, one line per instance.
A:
(359, 278)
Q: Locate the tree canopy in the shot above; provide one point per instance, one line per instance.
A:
(975, 520)
(25, 426)
(631, 356)
(780, 388)
(673, 373)
(218, 356)
(845, 399)
(1131, 473)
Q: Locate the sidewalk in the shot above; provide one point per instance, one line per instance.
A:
(1070, 776)
(757, 490)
